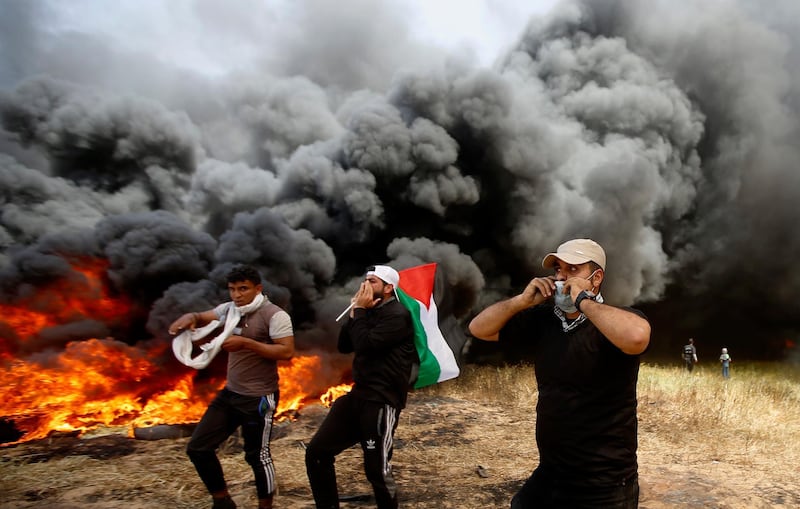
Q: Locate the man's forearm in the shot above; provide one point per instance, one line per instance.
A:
(487, 324)
(192, 320)
(279, 350)
(627, 331)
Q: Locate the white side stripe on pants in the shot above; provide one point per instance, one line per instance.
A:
(391, 416)
(264, 456)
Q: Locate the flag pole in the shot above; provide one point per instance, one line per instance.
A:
(344, 312)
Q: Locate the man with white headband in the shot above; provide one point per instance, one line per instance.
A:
(256, 335)
(381, 334)
(586, 361)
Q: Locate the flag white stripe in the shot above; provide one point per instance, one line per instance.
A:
(436, 342)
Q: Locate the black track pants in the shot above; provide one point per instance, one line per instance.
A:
(227, 412)
(352, 420)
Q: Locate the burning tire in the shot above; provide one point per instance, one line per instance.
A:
(162, 431)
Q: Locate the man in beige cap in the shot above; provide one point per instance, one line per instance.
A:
(586, 360)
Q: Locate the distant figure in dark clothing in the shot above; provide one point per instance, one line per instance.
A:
(381, 334)
(689, 355)
(725, 360)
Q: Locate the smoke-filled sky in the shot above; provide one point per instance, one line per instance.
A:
(313, 138)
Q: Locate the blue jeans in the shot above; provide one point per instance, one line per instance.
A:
(542, 491)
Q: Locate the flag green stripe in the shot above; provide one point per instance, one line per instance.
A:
(429, 369)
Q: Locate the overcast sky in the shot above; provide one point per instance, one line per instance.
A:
(202, 36)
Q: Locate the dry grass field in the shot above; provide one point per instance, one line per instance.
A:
(468, 443)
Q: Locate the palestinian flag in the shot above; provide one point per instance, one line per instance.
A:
(436, 356)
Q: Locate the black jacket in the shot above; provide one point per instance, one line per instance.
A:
(383, 341)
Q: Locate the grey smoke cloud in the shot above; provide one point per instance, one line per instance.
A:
(19, 39)
(332, 202)
(377, 139)
(664, 131)
(35, 204)
(266, 118)
(222, 187)
(374, 35)
(147, 251)
(463, 277)
(292, 258)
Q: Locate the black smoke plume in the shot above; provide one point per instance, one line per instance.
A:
(666, 131)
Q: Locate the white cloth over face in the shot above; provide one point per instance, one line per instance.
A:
(182, 344)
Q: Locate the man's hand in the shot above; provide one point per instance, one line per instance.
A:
(576, 285)
(278, 349)
(487, 324)
(235, 343)
(364, 297)
(538, 290)
(186, 321)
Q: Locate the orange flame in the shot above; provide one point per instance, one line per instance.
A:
(333, 393)
(92, 382)
(78, 296)
(105, 382)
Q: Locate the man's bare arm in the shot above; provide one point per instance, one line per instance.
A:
(280, 349)
(487, 324)
(626, 330)
(192, 321)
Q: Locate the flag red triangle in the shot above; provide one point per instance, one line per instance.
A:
(418, 281)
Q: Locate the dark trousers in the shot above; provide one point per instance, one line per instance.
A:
(224, 415)
(352, 420)
(544, 491)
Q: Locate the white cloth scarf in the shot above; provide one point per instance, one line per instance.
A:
(182, 344)
(566, 324)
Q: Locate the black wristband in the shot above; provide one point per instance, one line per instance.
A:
(583, 295)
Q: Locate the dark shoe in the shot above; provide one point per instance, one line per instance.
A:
(224, 503)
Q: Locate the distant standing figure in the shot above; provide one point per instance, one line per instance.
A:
(690, 355)
(725, 360)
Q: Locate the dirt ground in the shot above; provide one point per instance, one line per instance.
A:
(449, 453)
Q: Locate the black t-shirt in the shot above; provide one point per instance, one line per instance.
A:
(586, 415)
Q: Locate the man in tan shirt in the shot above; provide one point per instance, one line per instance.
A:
(249, 399)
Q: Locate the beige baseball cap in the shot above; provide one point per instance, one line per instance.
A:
(576, 252)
